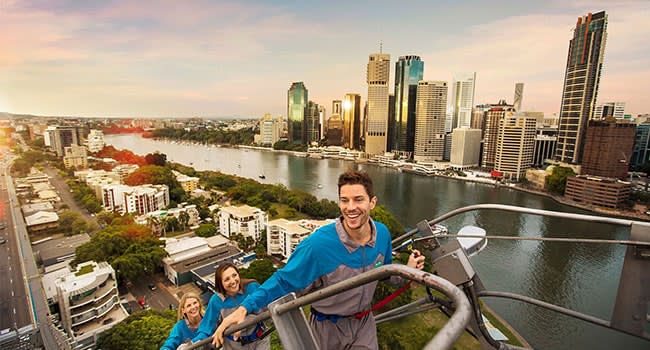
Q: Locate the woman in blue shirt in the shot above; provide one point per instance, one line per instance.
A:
(189, 318)
(231, 291)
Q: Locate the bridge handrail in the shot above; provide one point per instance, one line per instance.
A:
(445, 337)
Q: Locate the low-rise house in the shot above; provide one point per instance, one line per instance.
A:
(42, 220)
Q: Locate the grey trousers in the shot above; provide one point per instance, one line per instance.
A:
(346, 333)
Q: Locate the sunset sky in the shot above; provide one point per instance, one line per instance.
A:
(220, 58)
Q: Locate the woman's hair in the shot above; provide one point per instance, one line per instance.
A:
(181, 304)
(218, 273)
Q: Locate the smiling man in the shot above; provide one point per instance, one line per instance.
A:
(335, 252)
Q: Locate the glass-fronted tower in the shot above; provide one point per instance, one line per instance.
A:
(581, 78)
(296, 105)
(409, 70)
(352, 121)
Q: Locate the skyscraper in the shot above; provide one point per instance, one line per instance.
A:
(409, 70)
(462, 100)
(609, 109)
(491, 122)
(581, 78)
(352, 121)
(337, 107)
(296, 105)
(377, 76)
(430, 121)
(608, 148)
(312, 118)
(515, 145)
(519, 96)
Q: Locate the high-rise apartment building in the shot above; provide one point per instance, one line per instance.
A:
(409, 70)
(493, 116)
(608, 149)
(431, 105)
(462, 100)
(519, 96)
(95, 141)
(322, 120)
(60, 137)
(75, 157)
(270, 129)
(352, 121)
(334, 134)
(581, 79)
(545, 143)
(377, 76)
(312, 122)
(296, 106)
(515, 145)
(609, 109)
(88, 301)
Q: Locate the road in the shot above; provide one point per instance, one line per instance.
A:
(64, 193)
(158, 299)
(37, 308)
(14, 306)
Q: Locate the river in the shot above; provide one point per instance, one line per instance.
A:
(582, 277)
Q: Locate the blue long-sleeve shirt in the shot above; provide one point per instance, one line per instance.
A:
(218, 308)
(179, 334)
(326, 257)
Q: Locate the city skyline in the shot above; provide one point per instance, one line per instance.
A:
(229, 59)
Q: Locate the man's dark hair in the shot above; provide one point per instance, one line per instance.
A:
(355, 177)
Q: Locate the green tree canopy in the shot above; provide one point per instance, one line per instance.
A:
(556, 182)
(206, 230)
(144, 330)
(260, 270)
(130, 249)
(381, 214)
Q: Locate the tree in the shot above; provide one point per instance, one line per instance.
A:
(379, 213)
(556, 182)
(71, 222)
(130, 249)
(145, 330)
(260, 270)
(156, 158)
(157, 175)
(206, 230)
(183, 219)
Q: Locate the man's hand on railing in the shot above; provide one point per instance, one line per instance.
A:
(416, 260)
(236, 317)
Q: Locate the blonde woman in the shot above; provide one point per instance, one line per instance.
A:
(189, 319)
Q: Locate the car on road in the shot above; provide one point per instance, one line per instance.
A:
(152, 286)
(3, 240)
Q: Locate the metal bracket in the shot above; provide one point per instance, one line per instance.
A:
(292, 326)
(632, 307)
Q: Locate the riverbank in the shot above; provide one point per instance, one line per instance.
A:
(471, 176)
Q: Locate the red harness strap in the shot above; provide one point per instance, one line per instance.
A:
(383, 302)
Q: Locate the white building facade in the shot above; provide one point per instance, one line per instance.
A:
(244, 220)
(465, 147)
(283, 236)
(89, 302)
(95, 141)
(515, 146)
(135, 199)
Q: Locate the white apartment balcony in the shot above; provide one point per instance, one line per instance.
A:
(112, 316)
(104, 288)
(95, 313)
(76, 311)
